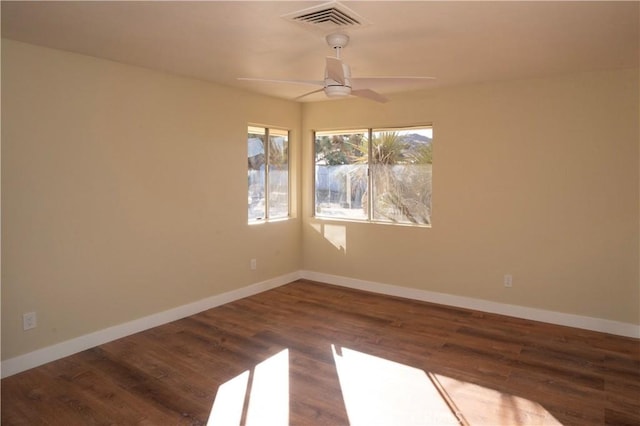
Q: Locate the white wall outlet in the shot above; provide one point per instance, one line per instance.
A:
(508, 280)
(254, 264)
(29, 320)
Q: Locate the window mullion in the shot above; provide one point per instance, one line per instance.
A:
(370, 176)
(267, 186)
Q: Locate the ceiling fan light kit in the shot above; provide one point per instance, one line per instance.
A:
(337, 91)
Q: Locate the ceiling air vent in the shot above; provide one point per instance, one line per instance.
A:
(327, 17)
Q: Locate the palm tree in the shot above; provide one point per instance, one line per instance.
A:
(423, 155)
(398, 193)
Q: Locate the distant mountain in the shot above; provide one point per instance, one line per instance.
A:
(417, 138)
(415, 145)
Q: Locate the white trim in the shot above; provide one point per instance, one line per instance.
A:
(60, 350)
(552, 317)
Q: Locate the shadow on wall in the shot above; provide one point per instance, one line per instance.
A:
(334, 234)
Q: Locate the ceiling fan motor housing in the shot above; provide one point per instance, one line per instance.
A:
(335, 89)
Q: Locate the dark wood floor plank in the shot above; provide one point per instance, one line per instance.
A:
(489, 369)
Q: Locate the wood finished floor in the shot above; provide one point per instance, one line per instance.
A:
(487, 369)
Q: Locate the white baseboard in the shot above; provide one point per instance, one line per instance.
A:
(60, 350)
(551, 317)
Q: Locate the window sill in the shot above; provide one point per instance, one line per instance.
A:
(370, 222)
(263, 221)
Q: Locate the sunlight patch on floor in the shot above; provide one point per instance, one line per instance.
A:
(381, 392)
(270, 392)
(268, 395)
(376, 391)
(229, 403)
(483, 406)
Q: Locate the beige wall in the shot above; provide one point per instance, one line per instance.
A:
(535, 178)
(124, 194)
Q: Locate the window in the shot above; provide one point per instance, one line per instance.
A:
(379, 175)
(268, 173)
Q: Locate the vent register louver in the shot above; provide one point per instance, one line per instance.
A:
(332, 15)
(327, 17)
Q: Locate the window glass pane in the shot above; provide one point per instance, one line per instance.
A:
(341, 174)
(278, 173)
(256, 173)
(401, 175)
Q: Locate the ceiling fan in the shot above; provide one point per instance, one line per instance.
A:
(338, 82)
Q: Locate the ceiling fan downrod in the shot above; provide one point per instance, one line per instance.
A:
(337, 41)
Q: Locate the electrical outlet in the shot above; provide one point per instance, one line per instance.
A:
(508, 280)
(254, 264)
(29, 320)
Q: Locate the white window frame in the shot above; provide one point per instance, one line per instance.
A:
(369, 132)
(268, 131)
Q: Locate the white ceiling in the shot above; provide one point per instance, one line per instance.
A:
(456, 42)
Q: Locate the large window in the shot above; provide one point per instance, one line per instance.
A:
(268, 173)
(380, 175)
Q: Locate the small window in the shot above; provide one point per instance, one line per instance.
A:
(378, 175)
(268, 173)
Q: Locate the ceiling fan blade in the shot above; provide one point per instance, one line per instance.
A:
(364, 82)
(369, 94)
(268, 80)
(335, 70)
(309, 93)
